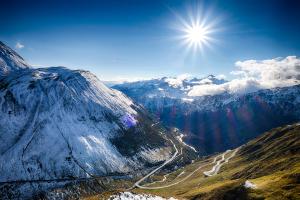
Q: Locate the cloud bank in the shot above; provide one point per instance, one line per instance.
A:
(253, 75)
(177, 81)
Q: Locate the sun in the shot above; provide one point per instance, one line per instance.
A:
(196, 35)
(198, 29)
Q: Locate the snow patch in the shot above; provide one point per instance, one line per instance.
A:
(250, 185)
(154, 155)
(132, 196)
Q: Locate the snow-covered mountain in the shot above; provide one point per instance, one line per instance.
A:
(60, 123)
(10, 60)
(215, 122)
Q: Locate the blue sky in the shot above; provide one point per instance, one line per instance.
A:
(137, 39)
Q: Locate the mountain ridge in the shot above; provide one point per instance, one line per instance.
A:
(10, 60)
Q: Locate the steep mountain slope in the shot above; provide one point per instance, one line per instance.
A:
(58, 123)
(10, 60)
(217, 122)
(264, 168)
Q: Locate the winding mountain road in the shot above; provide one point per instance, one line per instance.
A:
(215, 171)
(162, 180)
(172, 184)
(137, 184)
(216, 168)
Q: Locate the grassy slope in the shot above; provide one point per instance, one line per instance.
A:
(272, 162)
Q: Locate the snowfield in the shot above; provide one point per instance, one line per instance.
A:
(132, 196)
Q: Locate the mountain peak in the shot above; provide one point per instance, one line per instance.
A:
(10, 60)
(211, 76)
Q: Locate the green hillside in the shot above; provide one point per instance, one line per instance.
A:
(270, 162)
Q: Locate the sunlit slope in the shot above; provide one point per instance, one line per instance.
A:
(271, 162)
(57, 123)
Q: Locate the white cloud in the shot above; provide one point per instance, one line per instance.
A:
(205, 81)
(238, 73)
(254, 75)
(273, 69)
(19, 45)
(203, 90)
(221, 77)
(177, 81)
(242, 86)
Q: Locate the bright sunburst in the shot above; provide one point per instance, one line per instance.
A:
(196, 35)
(197, 31)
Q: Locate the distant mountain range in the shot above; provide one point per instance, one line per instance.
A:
(215, 123)
(57, 123)
(166, 87)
